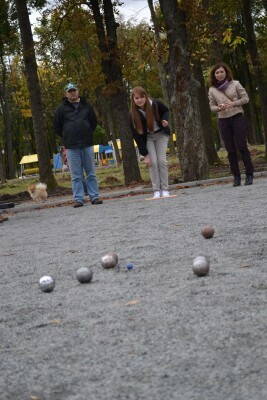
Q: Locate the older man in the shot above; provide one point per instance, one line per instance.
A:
(75, 122)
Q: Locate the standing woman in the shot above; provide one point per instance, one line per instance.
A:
(226, 97)
(149, 121)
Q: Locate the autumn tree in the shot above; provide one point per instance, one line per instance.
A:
(182, 90)
(114, 90)
(256, 62)
(7, 39)
(45, 168)
(196, 40)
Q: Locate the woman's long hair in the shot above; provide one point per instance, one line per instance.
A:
(147, 109)
(229, 74)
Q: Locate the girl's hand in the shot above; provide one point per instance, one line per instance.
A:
(164, 123)
(147, 161)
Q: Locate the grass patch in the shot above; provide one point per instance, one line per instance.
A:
(112, 177)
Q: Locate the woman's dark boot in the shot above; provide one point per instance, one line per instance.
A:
(249, 180)
(237, 181)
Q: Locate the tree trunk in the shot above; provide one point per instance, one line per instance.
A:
(251, 109)
(183, 95)
(45, 168)
(112, 132)
(114, 91)
(8, 133)
(205, 116)
(162, 71)
(255, 60)
(5, 103)
(2, 166)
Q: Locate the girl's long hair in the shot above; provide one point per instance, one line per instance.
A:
(147, 108)
(229, 74)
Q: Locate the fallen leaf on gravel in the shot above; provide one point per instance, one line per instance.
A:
(55, 321)
(52, 322)
(245, 266)
(35, 398)
(132, 302)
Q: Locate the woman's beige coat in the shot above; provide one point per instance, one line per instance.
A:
(234, 93)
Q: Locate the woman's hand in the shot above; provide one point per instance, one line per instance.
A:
(164, 123)
(225, 106)
(147, 161)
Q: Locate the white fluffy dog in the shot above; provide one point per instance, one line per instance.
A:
(38, 191)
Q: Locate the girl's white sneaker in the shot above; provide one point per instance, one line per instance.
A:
(156, 195)
(165, 193)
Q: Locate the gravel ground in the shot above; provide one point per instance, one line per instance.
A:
(157, 332)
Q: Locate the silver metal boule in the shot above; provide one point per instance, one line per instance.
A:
(47, 283)
(84, 275)
(109, 260)
(201, 266)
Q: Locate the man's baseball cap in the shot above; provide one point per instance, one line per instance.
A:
(70, 86)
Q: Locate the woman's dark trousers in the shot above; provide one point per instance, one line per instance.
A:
(234, 135)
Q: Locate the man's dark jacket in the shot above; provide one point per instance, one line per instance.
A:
(161, 112)
(75, 125)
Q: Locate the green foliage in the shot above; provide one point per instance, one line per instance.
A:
(138, 51)
(38, 4)
(100, 136)
(8, 32)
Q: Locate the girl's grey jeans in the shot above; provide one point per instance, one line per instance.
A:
(157, 144)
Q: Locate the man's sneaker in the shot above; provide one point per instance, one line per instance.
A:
(165, 193)
(156, 195)
(77, 204)
(97, 201)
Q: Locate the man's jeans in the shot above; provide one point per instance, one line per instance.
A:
(80, 160)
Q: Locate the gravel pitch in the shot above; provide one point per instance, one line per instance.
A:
(157, 332)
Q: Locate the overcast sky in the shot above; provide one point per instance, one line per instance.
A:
(134, 10)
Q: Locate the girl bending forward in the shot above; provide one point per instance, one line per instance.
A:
(149, 121)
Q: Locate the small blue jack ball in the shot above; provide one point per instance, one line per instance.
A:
(130, 266)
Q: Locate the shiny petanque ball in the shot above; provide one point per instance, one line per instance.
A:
(109, 260)
(130, 266)
(47, 283)
(207, 232)
(201, 266)
(84, 275)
